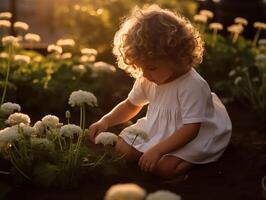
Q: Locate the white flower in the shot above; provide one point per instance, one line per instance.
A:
(216, 26)
(87, 51)
(69, 130)
(8, 108)
(241, 21)
(5, 15)
(256, 79)
(260, 58)
(82, 97)
(4, 55)
(22, 59)
(262, 44)
(17, 118)
(51, 121)
(87, 58)
(80, 69)
(106, 138)
(232, 73)
(235, 28)
(39, 128)
(5, 23)
(21, 25)
(10, 40)
(259, 25)
(31, 37)
(54, 48)
(127, 191)
(207, 13)
(26, 129)
(200, 18)
(237, 80)
(65, 42)
(67, 55)
(163, 195)
(103, 67)
(136, 132)
(9, 134)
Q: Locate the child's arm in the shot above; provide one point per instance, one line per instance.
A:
(177, 140)
(123, 112)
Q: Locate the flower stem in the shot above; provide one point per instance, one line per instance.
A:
(214, 37)
(80, 118)
(83, 112)
(256, 37)
(134, 140)
(60, 144)
(3, 172)
(17, 168)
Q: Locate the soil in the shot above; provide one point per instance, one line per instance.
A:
(236, 176)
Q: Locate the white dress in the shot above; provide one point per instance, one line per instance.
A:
(185, 100)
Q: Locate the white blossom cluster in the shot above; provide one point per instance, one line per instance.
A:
(163, 195)
(69, 130)
(128, 191)
(10, 40)
(77, 98)
(54, 48)
(21, 25)
(17, 118)
(103, 67)
(131, 191)
(9, 134)
(22, 59)
(5, 15)
(32, 37)
(88, 51)
(136, 132)
(51, 121)
(9, 108)
(65, 42)
(5, 23)
(15, 132)
(106, 138)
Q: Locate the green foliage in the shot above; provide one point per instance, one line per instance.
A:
(226, 62)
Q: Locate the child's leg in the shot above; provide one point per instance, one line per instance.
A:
(131, 154)
(171, 166)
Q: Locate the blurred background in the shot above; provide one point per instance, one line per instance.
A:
(45, 16)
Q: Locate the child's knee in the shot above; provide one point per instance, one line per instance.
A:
(130, 154)
(169, 167)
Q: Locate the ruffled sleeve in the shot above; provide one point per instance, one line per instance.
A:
(137, 94)
(194, 99)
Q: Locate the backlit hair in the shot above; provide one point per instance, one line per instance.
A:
(156, 34)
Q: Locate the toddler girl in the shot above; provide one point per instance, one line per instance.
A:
(186, 123)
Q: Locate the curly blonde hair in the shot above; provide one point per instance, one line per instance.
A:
(155, 33)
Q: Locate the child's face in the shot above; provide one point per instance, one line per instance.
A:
(159, 72)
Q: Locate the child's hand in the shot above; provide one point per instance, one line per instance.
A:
(149, 159)
(96, 128)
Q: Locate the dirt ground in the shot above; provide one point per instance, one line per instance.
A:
(236, 176)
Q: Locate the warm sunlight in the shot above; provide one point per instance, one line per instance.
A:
(132, 100)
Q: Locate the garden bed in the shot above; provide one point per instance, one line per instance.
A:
(237, 175)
